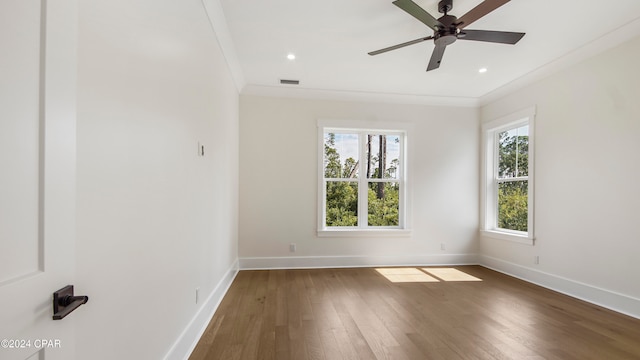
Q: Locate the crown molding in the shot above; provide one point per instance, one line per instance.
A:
(360, 96)
(215, 14)
(624, 33)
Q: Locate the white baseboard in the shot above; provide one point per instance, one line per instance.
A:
(190, 336)
(608, 299)
(309, 262)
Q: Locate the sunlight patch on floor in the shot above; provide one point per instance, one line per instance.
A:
(398, 275)
(409, 274)
(450, 274)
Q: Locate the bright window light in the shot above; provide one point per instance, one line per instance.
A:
(425, 275)
(399, 275)
(450, 274)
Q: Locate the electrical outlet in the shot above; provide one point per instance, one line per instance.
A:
(536, 259)
(197, 295)
(292, 247)
(442, 247)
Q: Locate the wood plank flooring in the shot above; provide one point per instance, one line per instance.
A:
(359, 314)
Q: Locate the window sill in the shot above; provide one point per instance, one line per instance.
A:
(364, 233)
(502, 235)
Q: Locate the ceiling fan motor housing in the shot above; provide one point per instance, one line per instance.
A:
(447, 34)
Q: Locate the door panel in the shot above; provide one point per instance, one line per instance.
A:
(37, 175)
(20, 140)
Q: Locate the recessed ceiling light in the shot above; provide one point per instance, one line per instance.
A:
(482, 70)
(291, 56)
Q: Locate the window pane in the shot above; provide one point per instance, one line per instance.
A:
(341, 203)
(383, 203)
(513, 205)
(383, 156)
(513, 152)
(340, 155)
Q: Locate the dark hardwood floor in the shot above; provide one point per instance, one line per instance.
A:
(361, 314)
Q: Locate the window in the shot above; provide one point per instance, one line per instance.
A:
(362, 180)
(508, 177)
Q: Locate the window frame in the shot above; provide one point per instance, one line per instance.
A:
(490, 179)
(362, 128)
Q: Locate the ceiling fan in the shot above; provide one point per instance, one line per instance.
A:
(448, 28)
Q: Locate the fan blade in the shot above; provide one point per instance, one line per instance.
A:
(479, 11)
(400, 45)
(503, 37)
(436, 57)
(419, 13)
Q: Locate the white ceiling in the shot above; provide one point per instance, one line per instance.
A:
(331, 39)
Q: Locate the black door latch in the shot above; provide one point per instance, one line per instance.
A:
(64, 302)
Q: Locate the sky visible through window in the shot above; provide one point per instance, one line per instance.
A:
(513, 159)
(521, 131)
(347, 146)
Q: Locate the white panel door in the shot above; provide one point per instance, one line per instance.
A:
(37, 175)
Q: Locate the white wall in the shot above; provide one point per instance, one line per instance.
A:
(155, 221)
(586, 169)
(278, 184)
